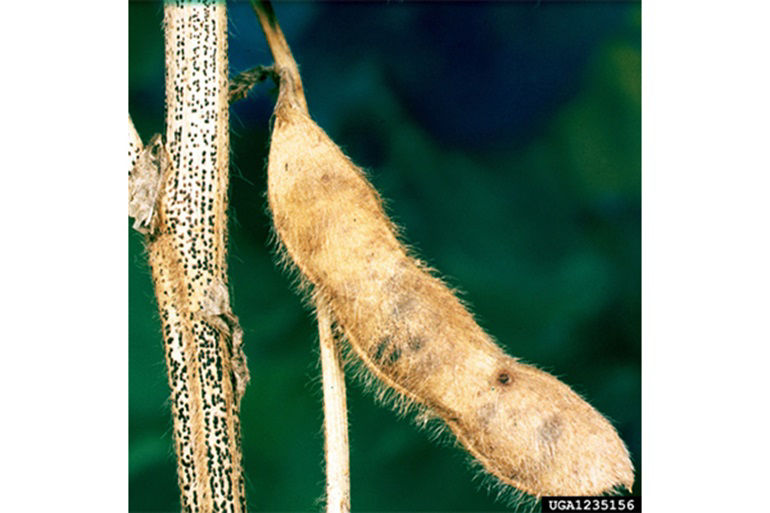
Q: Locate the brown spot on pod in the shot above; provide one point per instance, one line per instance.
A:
(504, 378)
(379, 350)
(415, 343)
(551, 429)
(394, 355)
(486, 413)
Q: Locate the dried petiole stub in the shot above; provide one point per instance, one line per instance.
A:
(526, 428)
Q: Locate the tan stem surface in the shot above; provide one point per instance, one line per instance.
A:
(335, 418)
(134, 145)
(187, 253)
(285, 65)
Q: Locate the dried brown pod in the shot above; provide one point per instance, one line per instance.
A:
(527, 428)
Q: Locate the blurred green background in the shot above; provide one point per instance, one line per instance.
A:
(506, 139)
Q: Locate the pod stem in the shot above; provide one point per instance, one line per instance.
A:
(335, 417)
(285, 65)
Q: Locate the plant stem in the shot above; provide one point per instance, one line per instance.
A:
(285, 65)
(335, 418)
(187, 253)
(134, 145)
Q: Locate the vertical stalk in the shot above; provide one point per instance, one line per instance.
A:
(187, 252)
(285, 65)
(336, 445)
(134, 145)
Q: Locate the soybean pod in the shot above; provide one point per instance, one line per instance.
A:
(525, 427)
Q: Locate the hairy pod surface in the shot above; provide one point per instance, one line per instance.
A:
(526, 427)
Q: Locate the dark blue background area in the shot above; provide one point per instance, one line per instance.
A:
(505, 138)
